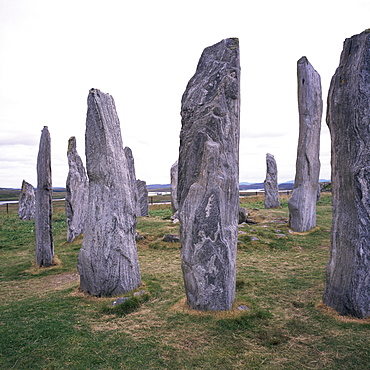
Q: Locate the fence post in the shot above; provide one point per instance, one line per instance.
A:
(7, 207)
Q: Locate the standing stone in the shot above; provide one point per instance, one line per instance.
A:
(26, 203)
(132, 179)
(107, 262)
(271, 183)
(302, 204)
(208, 176)
(174, 174)
(348, 271)
(44, 210)
(142, 198)
(77, 192)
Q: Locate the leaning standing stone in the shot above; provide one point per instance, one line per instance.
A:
(107, 262)
(142, 198)
(348, 271)
(77, 193)
(44, 194)
(208, 176)
(302, 204)
(271, 183)
(26, 202)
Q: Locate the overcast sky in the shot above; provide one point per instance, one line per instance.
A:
(143, 53)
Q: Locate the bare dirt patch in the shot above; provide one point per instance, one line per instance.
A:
(16, 290)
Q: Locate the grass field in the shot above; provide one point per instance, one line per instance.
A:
(46, 322)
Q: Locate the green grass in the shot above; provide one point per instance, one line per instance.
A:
(46, 322)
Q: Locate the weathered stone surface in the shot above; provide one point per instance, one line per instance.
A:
(174, 174)
(302, 204)
(348, 271)
(208, 176)
(271, 183)
(243, 215)
(77, 192)
(107, 262)
(132, 179)
(44, 210)
(142, 198)
(27, 202)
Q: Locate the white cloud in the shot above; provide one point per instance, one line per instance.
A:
(144, 53)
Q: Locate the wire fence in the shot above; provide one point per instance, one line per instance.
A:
(155, 199)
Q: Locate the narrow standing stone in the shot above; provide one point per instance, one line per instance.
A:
(108, 262)
(302, 204)
(271, 183)
(77, 193)
(348, 271)
(208, 178)
(174, 174)
(132, 179)
(26, 202)
(44, 210)
(142, 198)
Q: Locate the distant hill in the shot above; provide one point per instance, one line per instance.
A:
(257, 185)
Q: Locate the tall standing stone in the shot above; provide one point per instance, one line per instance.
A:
(348, 271)
(208, 177)
(26, 202)
(107, 262)
(271, 183)
(174, 174)
(142, 198)
(44, 210)
(302, 204)
(77, 192)
(132, 179)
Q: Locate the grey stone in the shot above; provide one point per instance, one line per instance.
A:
(171, 238)
(120, 300)
(174, 174)
(243, 307)
(132, 179)
(175, 217)
(243, 215)
(108, 262)
(302, 203)
(77, 192)
(271, 183)
(253, 238)
(44, 209)
(208, 178)
(139, 237)
(142, 198)
(27, 202)
(348, 271)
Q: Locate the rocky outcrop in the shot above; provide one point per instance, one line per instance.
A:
(142, 198)
(77, 192)
(107, 262)
(174, 173)
(208, 176)
(26, 202)
(302, 204)
(44, 210)
(271, 183)
(348, 271)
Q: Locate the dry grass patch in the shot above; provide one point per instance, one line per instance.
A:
(181, 306)
(328, 311)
